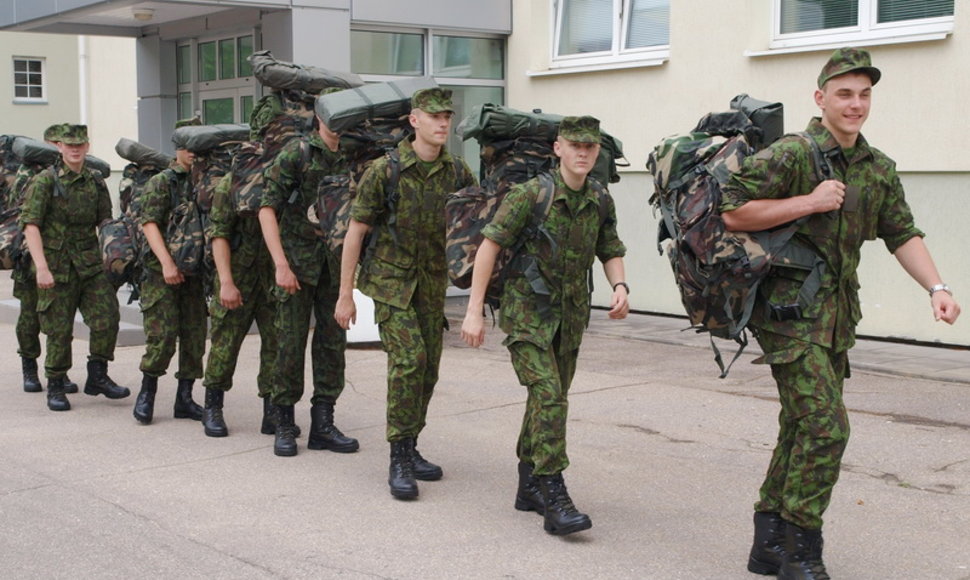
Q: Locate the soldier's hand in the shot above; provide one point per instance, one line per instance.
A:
(229, 296)
(945, 308)
(172, 275)
(345, 312)
(827, 196)
(620, 304)
(473, 329)
(286, 279)
(45, 279)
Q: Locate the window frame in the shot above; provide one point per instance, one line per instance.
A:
(868, 32)
(43, 79)
(617, 56)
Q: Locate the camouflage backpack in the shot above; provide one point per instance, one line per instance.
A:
(12, 245)
(185, 233)
(717, 271)
(121, 242)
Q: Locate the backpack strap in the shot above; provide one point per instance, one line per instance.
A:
(305, 155)
(59, 190)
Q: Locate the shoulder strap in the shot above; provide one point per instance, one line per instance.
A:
(391, 191)
(820, 162)
(305, 157)
(58, 186)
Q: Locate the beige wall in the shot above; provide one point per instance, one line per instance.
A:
(61, 69)
(112, 97)
(916, 119)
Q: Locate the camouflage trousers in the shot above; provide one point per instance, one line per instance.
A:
(28, 323)
(413, 339)
(813, 428)
(547, 373)
(228, 329)
(97, 301)
(173, 315)
(293, 312)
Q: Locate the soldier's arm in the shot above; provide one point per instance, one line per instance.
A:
(345, 311)
(285, 278)
(229, 295)
(473, 326)
(916, 260)
(616, 273)
(153, 235)
(35, 244)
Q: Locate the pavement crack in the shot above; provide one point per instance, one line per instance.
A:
(652, 432)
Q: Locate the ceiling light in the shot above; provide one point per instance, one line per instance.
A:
(142, 14)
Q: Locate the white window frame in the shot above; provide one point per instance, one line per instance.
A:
(43, 79)
(868, 32)
(616, 57)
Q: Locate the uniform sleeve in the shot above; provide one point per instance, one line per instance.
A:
(283, 175)
(222, 216)
(156, 201)
(513, 214)
(104, 199)
(766, 175)
(608, 244)
(368, 204)
(895, 225)
(36, 200)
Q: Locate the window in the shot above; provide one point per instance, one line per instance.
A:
(227, 58)
(183, 64)
(28, 80)
(215, 78)
(216, 111)
(388, 53)
(610, 31)
(207, 61)
(812, 23)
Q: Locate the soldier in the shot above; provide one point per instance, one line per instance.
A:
(808, 352)
(242, 294)
(25, 284)
(406, 276)
(172, 301)
(545, 330)
(63, 207)
(306, 283)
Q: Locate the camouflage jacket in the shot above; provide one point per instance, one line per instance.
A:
(305, 249)
(416, 241)
(578, 234)
(155, 205)
(874, 207)
(68, 216)
(243, 233)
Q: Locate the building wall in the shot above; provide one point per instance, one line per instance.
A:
(61, 71)
(916, 119)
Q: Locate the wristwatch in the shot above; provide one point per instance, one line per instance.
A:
(938, 287)
(624, 284)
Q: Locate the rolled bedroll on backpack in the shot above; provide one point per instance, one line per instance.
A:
(141, 154)
(345, 109)
(29, 150)
(279, 74)
(198, 138)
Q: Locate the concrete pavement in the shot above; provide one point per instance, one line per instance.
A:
(666, 459)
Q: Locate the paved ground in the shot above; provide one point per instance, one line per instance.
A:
(666, 459)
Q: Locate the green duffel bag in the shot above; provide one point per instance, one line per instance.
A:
(279, 74)
(198, 138)
(141, 154)
(345, 109)
(32, 151)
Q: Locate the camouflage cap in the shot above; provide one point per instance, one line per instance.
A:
(846, 60)
(191, 121)
(53, 133)
(433, 100)
(583, 129)
(74, 134)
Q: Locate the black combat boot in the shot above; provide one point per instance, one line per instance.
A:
(269, 420)
(185, 407)
(401, 472)
(803, 555)
(769, 543)
(529, 497)
(56, 400)
(145, 401)
(99, 383)
(561, 515)
(424, 470)
(324, 434)
(31, 380)
(285, 444)
(69, 385)
(213, 422)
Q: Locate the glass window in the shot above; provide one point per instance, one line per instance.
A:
(227, 58)
(814, 22)
(28, 79)
(183, 64)
(460, 57)
(217, 111)
(185, 106)
(611, 30)
(244, 48)
(386, 53)
(207, 61)
(245, 108)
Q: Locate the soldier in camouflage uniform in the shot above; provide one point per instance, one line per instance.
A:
(242, 294)
(545, 329)
(307, 276)
(808, 353)
(406, 275)
(25, 284)
(172, 302)
(62, 209)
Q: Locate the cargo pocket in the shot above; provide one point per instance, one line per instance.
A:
(782, 356)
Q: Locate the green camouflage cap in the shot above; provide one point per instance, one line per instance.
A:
(191, 121)
(434, 100)
(583, 129)
(53, 133)
(74, 134)
(846, 60)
